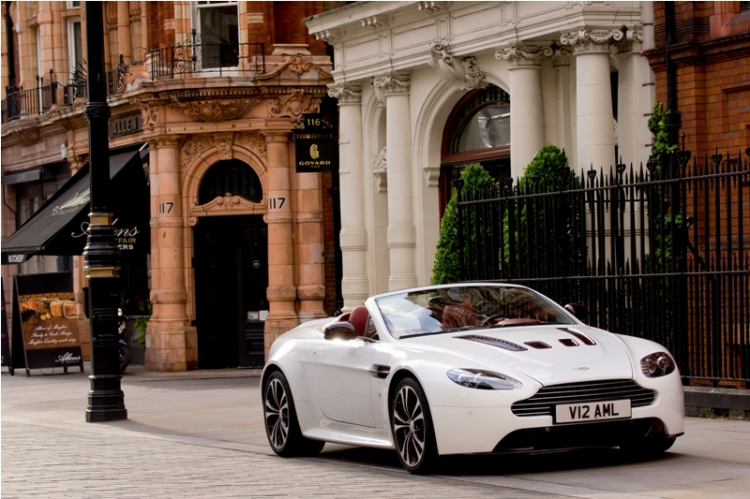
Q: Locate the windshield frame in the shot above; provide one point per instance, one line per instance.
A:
(379, 302)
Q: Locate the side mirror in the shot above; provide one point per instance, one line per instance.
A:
(340, 331)
(581, 313)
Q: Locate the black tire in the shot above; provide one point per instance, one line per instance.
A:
(411, 424)
(124, 357)
(282, 428)
(646, 447)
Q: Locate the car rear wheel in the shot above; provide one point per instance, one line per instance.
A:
(282, 427)
(411, 424)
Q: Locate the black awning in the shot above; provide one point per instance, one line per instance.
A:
(59, 226)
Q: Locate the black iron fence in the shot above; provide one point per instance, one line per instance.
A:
(661, 253)
(20, 103)
(196, 56)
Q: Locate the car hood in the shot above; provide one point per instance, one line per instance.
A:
(549, 354)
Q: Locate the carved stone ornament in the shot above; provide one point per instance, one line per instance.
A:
(228, 202)
(433, 175)
(297, 65)
(218, 110)
(193, 147)
(149, 115)
(346, 94)
(380, 170)
(330, 36)
(632, 42)
(293, 105)
(465, 75)
(524, 56)
(391, 84)
(591, 40)
(223, 142)
(561, 58)
(28, 135)
(252, 141)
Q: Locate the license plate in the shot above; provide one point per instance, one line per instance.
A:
(592, 411)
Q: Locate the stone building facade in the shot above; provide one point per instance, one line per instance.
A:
(425, 88)
(210, 91)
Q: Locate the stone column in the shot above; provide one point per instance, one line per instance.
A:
(311, 290)
(561, 63)
(630, 99)
(595, 123)
(402, 239)
(123, 31)
(355, 285)
(281, 291)
(171, 343)
(526, 113)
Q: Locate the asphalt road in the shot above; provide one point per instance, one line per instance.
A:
(196, 438)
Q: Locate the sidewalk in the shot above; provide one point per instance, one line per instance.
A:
(200, 434)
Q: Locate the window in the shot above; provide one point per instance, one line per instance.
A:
(73, 4)
(75, 50)
(744, 6)
(30, 196)
(477, 131)
(217, 24)
(230, 177)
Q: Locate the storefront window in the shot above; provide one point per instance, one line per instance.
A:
(489, 127)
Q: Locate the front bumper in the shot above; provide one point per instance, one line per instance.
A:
(469, 430)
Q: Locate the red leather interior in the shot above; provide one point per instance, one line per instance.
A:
(358, 318)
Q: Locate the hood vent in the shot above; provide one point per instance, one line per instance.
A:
(568, 342)
(585, 339)
(537, 344)
(495, 342)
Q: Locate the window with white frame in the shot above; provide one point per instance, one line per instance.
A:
(75, 50)
(217, 26)
(73, 5)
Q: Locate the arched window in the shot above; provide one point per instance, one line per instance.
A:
(477, 131)
(230, 177)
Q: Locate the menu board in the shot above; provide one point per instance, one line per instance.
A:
(5, 338)
(48, 321)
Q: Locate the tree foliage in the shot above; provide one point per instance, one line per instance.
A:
(446, 268)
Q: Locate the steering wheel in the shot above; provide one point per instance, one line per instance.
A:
(490, 318)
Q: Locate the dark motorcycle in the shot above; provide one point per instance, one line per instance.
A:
(122, 346)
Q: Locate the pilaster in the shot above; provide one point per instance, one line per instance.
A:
(526, 113)
(564, 98)
(281, 291)
(595, 122)
(401, 231)
(353, 236)
(171, 342)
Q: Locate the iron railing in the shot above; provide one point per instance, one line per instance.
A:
(20, 103)
(195, 56)
(661, 253)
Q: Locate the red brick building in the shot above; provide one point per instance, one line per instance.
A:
(712, 53)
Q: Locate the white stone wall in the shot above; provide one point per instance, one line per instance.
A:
(517, 46)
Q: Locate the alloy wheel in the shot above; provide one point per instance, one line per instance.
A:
(277, 413)
(409, 426)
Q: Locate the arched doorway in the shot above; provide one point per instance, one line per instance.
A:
(231, 272)
(477, 131)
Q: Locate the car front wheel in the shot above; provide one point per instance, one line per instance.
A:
(282, 427)
(411, 424)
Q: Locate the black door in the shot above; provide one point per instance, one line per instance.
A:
(231, 277)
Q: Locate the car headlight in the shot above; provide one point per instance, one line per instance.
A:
(657, 364)
(483, 380)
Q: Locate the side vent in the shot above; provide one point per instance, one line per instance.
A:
(568, 342)
(379, 371)
(537, 344)
(495, 342)
(585, 339)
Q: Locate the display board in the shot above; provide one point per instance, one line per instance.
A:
(46, 321)
(5, 360)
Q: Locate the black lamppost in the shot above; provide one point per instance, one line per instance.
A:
(101, 256)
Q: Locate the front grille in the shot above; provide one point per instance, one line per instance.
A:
(544, 401)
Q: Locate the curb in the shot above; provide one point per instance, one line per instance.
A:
(710, 402)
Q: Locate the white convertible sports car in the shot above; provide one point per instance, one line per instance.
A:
(467, 368)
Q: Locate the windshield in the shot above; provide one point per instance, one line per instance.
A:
(457, 308)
